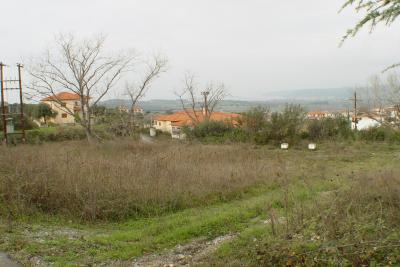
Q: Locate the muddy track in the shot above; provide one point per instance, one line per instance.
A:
(182, 255)
(6, 261)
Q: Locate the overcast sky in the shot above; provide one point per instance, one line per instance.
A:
(252, 46)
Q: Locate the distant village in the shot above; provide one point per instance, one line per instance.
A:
(173, 122)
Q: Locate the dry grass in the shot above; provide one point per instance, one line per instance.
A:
(330, 207)
(120, 179)
(355, 225)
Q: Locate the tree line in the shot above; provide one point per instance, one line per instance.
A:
(261, 126)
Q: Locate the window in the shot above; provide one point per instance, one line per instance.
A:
(159, 123)
(63, 104)
(64, 115)
(76, 103)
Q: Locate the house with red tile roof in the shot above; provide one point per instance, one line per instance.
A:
(319, 115)
(173, 123)
(64, 104)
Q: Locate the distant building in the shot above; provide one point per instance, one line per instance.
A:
(123, 109)
(64, 103)
(135, 110)
(173, 123)
(317, 115)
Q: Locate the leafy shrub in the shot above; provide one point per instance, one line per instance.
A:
(238, 135)
(216, 132)
(35, 136)
(69, 133)
(28, 123)
(283, 126)
(329, 128)
(62, 133)
(211, 128)
(255, 119)
(379, 134)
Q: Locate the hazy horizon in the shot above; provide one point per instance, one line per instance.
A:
(254, 48)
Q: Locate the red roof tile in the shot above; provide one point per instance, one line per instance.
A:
(62, 96)
(183, 118)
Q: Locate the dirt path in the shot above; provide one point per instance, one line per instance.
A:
(5, 261)
(185, 255)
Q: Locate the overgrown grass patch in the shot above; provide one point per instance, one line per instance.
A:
(232, 190)
(353, 225)
(124, 179)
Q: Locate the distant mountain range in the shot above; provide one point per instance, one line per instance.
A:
(312, 99)
(311, 94)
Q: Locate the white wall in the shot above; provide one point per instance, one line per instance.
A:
(365, 123)
(60, 111)
(164, 126)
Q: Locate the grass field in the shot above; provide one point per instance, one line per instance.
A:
(73, 204)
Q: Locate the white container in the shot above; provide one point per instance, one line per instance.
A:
(312, 146)
(10, 126)
(285, 146)
(153, 132)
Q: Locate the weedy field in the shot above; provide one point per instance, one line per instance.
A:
(121, 202)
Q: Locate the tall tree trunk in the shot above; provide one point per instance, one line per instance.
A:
(89, 135)
(131, 126)
(84, 120)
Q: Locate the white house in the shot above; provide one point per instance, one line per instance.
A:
(365, 123)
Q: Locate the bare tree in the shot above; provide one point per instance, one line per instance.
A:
(153, 69)
(384, 99)
(80, 67)
(377, 95)
(198, 103)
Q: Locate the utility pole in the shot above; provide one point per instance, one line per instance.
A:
(355, 115)
(3, 106)
(11, 84)
(20, 66)
(205, 94)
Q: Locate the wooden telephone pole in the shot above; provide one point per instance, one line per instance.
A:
(355, 119)
(10, 85)
(21, 102)
(205, 94)
(3, 105)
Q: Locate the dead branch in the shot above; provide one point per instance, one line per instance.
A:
(192, 102)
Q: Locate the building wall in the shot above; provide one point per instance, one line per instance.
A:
(137, 110)
(62, 116)
(365, 123)
(164, 126)
(177, 133)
